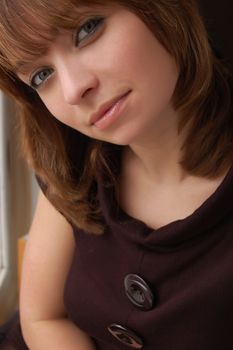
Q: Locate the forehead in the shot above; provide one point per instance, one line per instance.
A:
(27, 27)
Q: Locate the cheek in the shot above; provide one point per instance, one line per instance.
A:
(70, 117)
(134, 54)
(155, 70)
(152, 74)
(54, 102)
(51, 101)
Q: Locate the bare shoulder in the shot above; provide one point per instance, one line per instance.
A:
(46, 263)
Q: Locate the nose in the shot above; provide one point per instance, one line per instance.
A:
(77, 82)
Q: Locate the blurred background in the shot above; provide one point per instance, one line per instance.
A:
(18, 191)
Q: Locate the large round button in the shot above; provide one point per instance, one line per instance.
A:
(126, 336)
(138, 292)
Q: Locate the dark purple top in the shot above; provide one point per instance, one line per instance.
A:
(170, 288)
(165, 289)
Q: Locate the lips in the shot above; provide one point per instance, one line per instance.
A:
(105, 108)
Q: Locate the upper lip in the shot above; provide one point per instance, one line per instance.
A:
(104, 108)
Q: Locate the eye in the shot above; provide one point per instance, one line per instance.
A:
(87, 29)
(40, 77)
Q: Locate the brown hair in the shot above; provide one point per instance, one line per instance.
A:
(202, 95)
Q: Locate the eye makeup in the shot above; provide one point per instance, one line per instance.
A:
(89, 28)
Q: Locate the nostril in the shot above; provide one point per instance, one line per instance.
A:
(86, 92)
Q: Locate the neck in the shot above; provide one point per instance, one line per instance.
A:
(158, 155)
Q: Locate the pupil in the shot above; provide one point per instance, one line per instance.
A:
(43, 75)
(90, 26)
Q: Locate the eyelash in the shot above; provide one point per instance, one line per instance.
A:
(97, 21)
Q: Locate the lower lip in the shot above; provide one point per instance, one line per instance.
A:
(112, 114)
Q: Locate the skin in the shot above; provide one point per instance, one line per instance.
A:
(45, 267)
(121, 56)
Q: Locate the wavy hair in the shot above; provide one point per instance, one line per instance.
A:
(202, 96)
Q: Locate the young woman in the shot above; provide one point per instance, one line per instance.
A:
(126, 121)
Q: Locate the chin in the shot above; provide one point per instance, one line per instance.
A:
(123, 140)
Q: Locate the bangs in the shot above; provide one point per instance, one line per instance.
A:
(28, 27)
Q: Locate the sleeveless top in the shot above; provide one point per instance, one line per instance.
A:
(139, 288)
(170, 288)
(165, 289)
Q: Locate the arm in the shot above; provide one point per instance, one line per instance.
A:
(48, 256)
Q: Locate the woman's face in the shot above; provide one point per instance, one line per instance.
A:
(110, 79)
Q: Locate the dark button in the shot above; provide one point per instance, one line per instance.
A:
(126, 336)
(138, 292)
